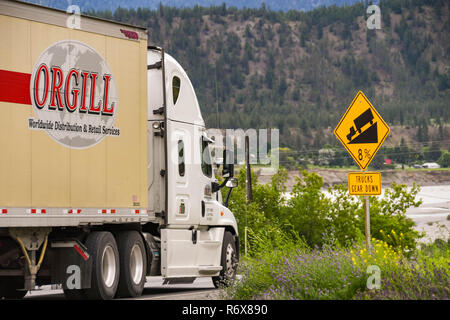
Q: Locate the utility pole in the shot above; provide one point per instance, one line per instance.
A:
(248, 170)
(249, 186)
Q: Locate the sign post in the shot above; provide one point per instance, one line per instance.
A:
(362, 131)
(367, 221)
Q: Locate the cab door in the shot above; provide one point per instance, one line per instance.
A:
(183, 177)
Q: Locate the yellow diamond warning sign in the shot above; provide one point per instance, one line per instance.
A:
(364, 183)
(361, 130)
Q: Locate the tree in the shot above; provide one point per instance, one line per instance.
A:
(377, 161)
(444, 159)
(434, 152)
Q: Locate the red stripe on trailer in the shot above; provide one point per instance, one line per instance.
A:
(4, 211)
(137, 211)
(80, 252)
(78, 211)
(113, 211)
(104, 211)
(15, 87)
(43, 211)
(33, 210)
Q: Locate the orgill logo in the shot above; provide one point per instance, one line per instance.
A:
(74, 95)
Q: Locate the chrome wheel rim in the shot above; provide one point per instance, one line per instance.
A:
(230, 262)
(108, 266)
(136, 264)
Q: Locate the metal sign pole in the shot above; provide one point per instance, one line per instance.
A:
(367, 221)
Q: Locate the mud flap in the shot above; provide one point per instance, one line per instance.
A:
(71, 265)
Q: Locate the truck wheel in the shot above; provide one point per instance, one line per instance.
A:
(133, 264)
(10, 288)
(229, 261)
(103, 251)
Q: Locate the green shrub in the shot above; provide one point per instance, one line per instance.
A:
(281, 232)
(319, 219)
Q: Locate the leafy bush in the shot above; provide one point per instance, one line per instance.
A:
(388, 217)
(444, 160)
(307, 210)
(317, 218)
(281, 232)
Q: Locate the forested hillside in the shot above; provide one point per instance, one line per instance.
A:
(299, 71)
(277, 5)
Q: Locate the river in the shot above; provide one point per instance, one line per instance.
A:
(432, 216)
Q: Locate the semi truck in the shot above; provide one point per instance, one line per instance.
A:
(363, 119)
(105, 167)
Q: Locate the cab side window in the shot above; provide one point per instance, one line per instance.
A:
(206, 158)
(176, 83)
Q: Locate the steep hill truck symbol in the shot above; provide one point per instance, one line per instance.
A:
(370, 135)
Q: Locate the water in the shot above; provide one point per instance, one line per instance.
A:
(431, 216)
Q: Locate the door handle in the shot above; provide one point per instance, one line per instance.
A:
(203, 208)
(194, 236)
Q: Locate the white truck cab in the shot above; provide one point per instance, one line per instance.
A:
(196, 222)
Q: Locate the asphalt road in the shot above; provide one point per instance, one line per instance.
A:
(201, 289)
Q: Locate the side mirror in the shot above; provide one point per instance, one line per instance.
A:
(228, 170)
(228, 165)
(232, 183)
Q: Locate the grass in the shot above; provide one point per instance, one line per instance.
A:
(300, 273)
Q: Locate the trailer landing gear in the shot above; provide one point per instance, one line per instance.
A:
(30, 240)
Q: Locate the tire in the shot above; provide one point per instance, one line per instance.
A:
(229, 261)
(133, 264)
(10, 288)
(104, 253)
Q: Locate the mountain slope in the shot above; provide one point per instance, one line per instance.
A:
(277, 5)
(299, 71)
